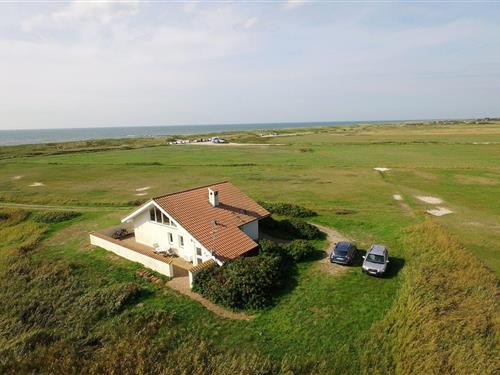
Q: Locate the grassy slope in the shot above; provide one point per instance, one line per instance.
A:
(324, 319)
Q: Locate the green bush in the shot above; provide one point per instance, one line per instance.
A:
(244, 283)
(298, 250)
(291, 228)
(287, 209)
(52, 217)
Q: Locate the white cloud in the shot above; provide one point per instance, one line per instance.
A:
(129, 64)
(102, 12)
(190, 6)
(250, 23)
(293, 4)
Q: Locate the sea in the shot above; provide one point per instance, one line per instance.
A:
(35, 136)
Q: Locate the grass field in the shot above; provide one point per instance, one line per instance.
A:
(325, 323)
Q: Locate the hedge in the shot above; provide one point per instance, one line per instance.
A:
(243, 283)
(298, 250)
(52, 217)
(287, 209)
(291, 228)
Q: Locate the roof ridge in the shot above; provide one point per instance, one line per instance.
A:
(191, 189)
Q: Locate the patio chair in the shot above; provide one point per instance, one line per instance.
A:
(157, 249)
(169, 251)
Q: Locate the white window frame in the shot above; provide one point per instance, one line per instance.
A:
(181, 241)
(169, 222)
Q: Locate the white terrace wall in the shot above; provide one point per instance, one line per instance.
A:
(108, 244)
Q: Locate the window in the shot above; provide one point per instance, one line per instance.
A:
(181, 241)
(170, 238)
(165, 219)
(159, 217)
(172, 223)
(198, 251)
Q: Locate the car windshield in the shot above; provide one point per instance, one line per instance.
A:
(374, 258)
(340, 252)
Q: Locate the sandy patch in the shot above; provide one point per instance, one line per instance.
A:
(143, 188)
(476, 180)
(324, 264)
(140, 194)
(425, 175)
(429, 199)
(382, 169)
(36, 184)
(397, 197)
(17, 177)
(440, 211)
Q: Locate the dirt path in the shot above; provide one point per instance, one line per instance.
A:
(62, 208)
(181, 285)
(324, 264)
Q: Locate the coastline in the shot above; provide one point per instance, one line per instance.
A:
(17, 137)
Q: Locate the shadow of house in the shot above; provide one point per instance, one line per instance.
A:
(239, 210)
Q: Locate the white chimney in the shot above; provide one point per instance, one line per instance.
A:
(213, 197)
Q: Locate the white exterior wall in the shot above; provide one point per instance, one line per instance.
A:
(149, 232)
(251, 229)
(134, 256)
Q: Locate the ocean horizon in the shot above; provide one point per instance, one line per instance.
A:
(40, 136)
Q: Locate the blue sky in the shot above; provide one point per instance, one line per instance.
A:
(86, 64)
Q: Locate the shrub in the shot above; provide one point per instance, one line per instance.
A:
(119, 233)
(291, 228)
(300, 250)
(288, 209)
(297, 250)
(52, 217)
(244, 283)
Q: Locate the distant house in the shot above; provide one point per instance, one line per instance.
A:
(218, 140)
(181, 233)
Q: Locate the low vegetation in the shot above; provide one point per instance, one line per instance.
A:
(67, 307)
(253, 282)
(446, 318)
(297, 250)
(54, 319)
(244, 283)
(287, 209)
(291, 228)
(52, 217)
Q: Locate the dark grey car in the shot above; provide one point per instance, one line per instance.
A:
(343, 253)
(376, 260)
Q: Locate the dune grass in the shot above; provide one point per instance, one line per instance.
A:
(426, 315)
(446, 318)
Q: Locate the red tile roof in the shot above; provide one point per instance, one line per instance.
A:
(192, 209)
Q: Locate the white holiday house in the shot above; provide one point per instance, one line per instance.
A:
(187, 230)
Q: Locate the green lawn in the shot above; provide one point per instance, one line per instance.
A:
(323, 322)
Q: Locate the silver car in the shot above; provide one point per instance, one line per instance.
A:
(376, 260)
